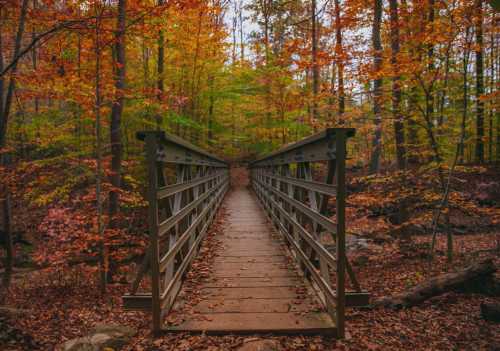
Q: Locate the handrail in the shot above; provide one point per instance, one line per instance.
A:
(318, 147)
(181, 151)
(297, 206)
(179, 216)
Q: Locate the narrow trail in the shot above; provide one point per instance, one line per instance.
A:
(253, 286)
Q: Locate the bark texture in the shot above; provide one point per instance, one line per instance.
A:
(466, 279)
(117, 110)
(377, 87)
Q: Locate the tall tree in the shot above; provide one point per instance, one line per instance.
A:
(7, 92)
(396, 86)
(465, 91)
(160, 69)
(377, 86)
(98, 151)
(314, 55)
(339, 56)
(479, 153)
(117, 109)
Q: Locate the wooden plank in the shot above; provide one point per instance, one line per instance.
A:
(250, 264)
(254, 272)
(251, 282)
(250, 293)
(357, 299)
(138, 302)
(256, 253)
(258, 323)
(263, 305)
(256, 259)
(256, 247)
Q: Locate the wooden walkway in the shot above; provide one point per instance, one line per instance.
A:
(254, 286)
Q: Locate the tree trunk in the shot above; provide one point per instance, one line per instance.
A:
(116, 116)
(98, 132)
(5, 111)
(117, 110)
(467, 278)
(396, 87)
(465, 96)
(210, 131)
(331, 99)
(377, 87)
(242, 40)
(339, 55)
(429, 95)
(492, 82)
(34, 54)
(7, 240)
(2, 80)
(479, 154)
(315, 67)
(160, 68)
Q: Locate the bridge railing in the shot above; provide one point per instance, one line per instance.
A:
(186, 186)
(297, 204)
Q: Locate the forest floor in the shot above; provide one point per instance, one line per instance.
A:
(63, 302)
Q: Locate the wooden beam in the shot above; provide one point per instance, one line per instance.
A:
(340, 142)
(138, 302)
(357, 299)
(151, 147)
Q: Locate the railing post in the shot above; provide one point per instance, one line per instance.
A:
(151, 155)
(340, 155)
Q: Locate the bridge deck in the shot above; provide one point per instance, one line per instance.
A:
(253, 285)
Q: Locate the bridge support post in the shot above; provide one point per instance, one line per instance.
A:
(340, 140)
(151, 155)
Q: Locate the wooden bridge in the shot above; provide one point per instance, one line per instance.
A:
(275, 270)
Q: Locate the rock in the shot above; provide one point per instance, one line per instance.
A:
(255, 344)
(78, 344)
(488, 193)
(101, 338)
(113, 329)
(490, 312)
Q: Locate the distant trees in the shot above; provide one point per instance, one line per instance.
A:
(8, 85)
(307, 64)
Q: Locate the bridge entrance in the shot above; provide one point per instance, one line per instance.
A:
(273, 272)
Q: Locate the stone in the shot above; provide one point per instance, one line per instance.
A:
(255, 344)
(113, 329)
(78, 344)
(103, 337)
